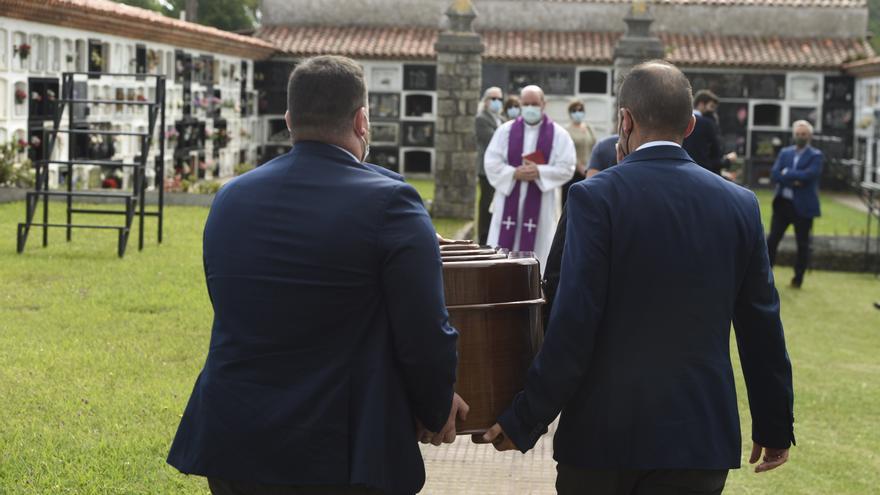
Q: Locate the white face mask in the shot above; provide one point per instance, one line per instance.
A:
(531, 114)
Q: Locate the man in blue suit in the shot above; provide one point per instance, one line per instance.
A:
(660, 254)
(331, 353)
(704, 142)
(796, 174)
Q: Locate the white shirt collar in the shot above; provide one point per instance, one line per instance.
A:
(349, 153)
(651, 144)
(698, 113)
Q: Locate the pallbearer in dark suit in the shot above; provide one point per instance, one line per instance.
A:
(796, 174)
(330, 341)
(660, 255)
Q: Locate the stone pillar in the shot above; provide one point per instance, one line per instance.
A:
(637, 44)
(459, 76)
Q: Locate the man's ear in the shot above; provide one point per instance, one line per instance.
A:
(360, 122)
(626, 121)
(691, 124)
(287, 121)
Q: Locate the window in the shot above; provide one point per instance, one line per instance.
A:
(82, 55)
(417, 161)
(68, 55)
(140, 59)
(419, 105)
(20, 96)
(37, 52)
(593, 82)
(4, 49)
(3, 102)
(21, 51)
(53, 55)
(810, 114)
(767, 115)
(420, 77)
(96, 56)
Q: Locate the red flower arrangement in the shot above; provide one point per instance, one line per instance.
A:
(20, 96)
(110, 183)
(36, 96)
(141, 98)
(23, 50)
(36, 141)
(22, 144)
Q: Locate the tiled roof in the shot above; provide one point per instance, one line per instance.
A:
(360, 42)
(569, 47)
(846, 4)
(108, 17)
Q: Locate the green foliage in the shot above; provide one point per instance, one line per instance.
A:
(242, 168)
(229, 15)
(874, 23)
(15, 167)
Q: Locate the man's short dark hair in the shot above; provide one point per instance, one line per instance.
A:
(323, 93)
(658, 96)
(705, 96)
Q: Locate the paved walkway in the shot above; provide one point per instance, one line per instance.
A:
(465, 468)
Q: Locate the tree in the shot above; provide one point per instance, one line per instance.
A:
(229, 15)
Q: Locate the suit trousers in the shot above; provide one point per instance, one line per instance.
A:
(484, 218)
(226, 487)
(580, 481)
(784, 214)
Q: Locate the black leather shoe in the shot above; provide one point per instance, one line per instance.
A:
(795, 283)
(877, 304)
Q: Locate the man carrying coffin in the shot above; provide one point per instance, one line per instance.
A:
(528, 160)
(331, 352)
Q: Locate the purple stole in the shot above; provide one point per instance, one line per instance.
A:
(532, 207)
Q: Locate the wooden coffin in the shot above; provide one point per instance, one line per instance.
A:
(495, 303)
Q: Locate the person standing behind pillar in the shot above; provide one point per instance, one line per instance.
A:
(584, 139)
(796, 174)
(704, 144)
(487, 120)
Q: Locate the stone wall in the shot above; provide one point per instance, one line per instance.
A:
(842, 254)
(576, 16)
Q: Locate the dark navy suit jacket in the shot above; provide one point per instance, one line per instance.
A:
(330, 332)
(704, 144)
(660, 254)
(803, 179)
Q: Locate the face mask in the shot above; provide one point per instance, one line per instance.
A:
(531, 114)
(801, 142)
(495, 106)
(578, 116)
(513, 112)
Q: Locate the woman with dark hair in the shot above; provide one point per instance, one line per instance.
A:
(583, 138)
(511, 109)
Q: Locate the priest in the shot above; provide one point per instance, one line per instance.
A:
(527, 162)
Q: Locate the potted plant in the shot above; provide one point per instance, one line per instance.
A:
(23, 50)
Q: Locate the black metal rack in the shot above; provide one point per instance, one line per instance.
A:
(134, 199)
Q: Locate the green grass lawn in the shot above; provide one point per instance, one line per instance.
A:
(98, 356)
(836, 219)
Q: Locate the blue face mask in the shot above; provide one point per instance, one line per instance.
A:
(531, 114)
(578, 116)
(495, 106)
(513, 112)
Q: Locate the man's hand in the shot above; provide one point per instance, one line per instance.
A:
(447, 434)
(528, 171)
(581, 168)
(773, 458)
(444, 241)
(496, 437)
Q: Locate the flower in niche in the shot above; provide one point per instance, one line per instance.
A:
(20, 96)
(22, 144)
(36, 96)
(50, 95)
(23, 50)
(36, 141)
